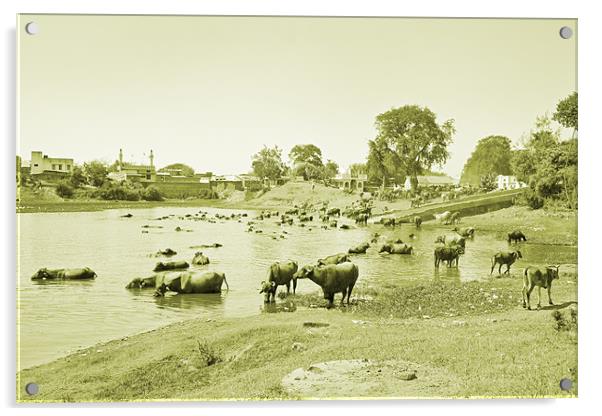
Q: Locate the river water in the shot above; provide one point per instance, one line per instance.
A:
(55, 318)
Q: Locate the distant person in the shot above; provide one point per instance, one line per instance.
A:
(313, 186)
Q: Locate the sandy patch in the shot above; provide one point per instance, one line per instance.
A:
(362, 378)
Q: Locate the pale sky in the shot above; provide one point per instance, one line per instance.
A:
(211, 91)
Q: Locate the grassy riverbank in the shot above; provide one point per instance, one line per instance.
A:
(510, 353)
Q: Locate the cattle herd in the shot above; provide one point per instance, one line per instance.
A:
(334, 274)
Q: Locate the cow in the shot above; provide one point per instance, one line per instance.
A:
(505, 257)
(387, 222)
(396, 248)
(333, 278)
(361, 219)
(448, 254)
(359, 249)
(417, 221)
(333, 211)
(334, 259)
(516, 236)
(443, 218)
(467, 232)
(534, 276)
(454, 218)
(279, 273)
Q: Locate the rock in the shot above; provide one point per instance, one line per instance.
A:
(359, 322)
(407, 375)
(459, 323)
(309, 324)
(297, 346)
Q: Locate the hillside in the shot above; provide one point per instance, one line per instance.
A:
(293, 193)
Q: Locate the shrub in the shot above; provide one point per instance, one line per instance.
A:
(119, 192)
(152, 193)
(533, 200)
(64, 190)
(561, 323)
(208, 194)
(207, 354)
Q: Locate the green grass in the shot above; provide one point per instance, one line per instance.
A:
(497, 350)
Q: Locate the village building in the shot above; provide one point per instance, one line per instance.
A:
(236, 182)
(509, 182)
(132, 172)
(347, 181)
(43, 164)
(431, 181)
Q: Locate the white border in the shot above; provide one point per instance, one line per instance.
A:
(590, 24)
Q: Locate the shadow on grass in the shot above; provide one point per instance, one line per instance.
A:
(560, 306)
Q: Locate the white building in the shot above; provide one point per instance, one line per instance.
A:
(41, 163)
(509, 182)
(429, 182)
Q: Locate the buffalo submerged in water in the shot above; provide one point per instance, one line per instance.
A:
(64, 274)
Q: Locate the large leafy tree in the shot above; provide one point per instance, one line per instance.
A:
(358, 169)
(491, 157)
(331, 169)
(95, 172)
(77, 177)
(410, 139)
(307, 161)
(186, 170)
(267, 163)
(567, 112)
(548, 164)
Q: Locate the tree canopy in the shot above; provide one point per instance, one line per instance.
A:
(267, 163)
(95, 172)
(409, 140)
(307, 161)
(567, 112)
(491, 156)
(186, 170)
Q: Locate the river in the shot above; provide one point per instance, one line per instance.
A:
(56, 318)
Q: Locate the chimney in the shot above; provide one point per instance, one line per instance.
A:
(120, 166)
(151, 157)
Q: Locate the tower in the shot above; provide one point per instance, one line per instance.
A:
(151, 157)
(120, 165)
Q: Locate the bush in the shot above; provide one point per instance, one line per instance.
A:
(152, 193)
(533, 200)
(207, 354)
(561, 323)
(64, 190)
(208, 194)
(119, 192)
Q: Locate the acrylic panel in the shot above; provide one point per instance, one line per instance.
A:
(282, 208)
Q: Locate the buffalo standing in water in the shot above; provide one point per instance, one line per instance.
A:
(191, 282)
(64, 274)
(279, 274)
(333, 278)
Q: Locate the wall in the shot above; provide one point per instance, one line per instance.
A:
(180, 189)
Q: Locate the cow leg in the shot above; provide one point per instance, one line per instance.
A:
(538, 297)
(508, 269)
(330, 298)
(529, 296)
(550, 294)
(524, 296)
(343, 297)
(492, 267)
(499, 270)
(294, 285)
(349, 292)
(288, 288)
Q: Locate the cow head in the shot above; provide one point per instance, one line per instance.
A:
(266, 287)
(304, 273)
(134, 284)
(41, 274)
(518, 254)
(552, 272)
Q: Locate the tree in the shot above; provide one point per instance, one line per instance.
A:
(548, 165)
(567, 112)
(307, 161)
(77, 177)
(491, 156)
(95, 172)
(186, 170)
(488, 182)
(410, 138)
(152, 193)
(358, 169)
(330, 170)
(267, 163)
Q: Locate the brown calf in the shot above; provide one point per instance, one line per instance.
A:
(540, 278)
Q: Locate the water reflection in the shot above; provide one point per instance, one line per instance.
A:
(286, 305)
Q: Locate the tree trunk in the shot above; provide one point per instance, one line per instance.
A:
(414, 183)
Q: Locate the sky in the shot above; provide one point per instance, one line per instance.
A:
(212, 91)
